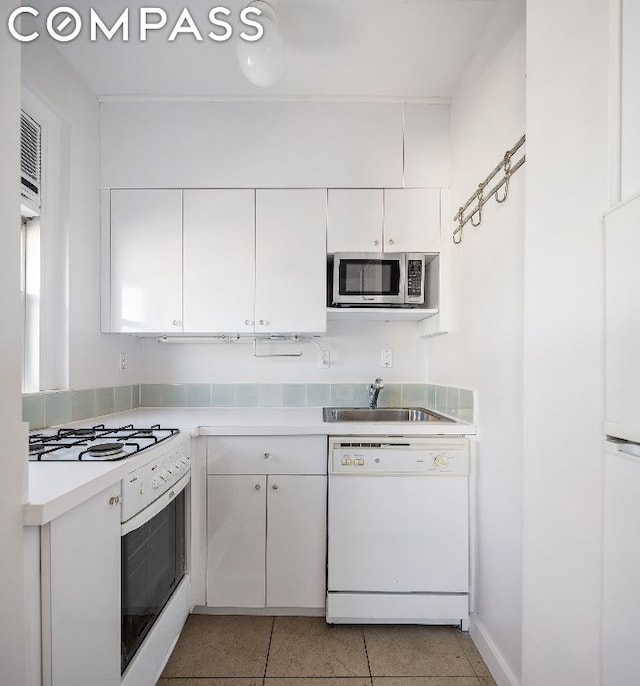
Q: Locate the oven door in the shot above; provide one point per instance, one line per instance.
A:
(153, 564)
(362, 279)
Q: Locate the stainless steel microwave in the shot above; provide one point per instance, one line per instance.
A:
(378, 279)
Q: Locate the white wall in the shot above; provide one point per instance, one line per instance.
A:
(484, 348)
(12, 626)
(93, 357)
(567, 192)
(355, 349)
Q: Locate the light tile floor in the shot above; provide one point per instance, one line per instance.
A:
(305, 651)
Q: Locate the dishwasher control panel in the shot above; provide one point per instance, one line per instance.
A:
(398, 455)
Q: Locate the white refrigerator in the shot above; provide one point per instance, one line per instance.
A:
(621, 540)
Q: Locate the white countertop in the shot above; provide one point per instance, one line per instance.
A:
(56, 487)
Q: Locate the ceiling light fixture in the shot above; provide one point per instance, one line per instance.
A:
(261, 61)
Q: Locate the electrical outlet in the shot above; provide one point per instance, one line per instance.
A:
(123, 362)
(324, 359)
(386, 358)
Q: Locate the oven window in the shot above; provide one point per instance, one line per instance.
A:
(369, 277)
(153, 564)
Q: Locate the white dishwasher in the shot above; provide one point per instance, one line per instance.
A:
(398, 530)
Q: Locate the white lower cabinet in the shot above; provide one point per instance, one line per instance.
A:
(81, 594)
(236, 540)
(266, 533)
(296, 535)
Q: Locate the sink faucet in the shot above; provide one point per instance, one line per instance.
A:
(374, 392)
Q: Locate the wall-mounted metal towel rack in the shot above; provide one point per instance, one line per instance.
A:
(509, 167)
(247, 338)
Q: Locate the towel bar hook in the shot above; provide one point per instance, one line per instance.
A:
(457, 234)
(478, 211)
(507, 175)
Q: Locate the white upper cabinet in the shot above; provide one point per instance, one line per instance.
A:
(291, 269)
(354, 220)
(411, 220)
(146, 261)
(396, 220)
(218, 260)
(426, 146)
(251, 144)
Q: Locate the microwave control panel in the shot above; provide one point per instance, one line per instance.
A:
(414, 278)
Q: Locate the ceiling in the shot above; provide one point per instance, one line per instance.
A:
(334, 49)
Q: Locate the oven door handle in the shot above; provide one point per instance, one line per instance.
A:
(156, 506)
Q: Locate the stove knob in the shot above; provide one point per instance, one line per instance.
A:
(156, 483)
(441, 461)
(185, 460)
(164, 474)
(178, 466)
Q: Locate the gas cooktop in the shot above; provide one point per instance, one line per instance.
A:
(96, 443)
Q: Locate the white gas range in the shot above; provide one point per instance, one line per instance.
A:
(154, 514)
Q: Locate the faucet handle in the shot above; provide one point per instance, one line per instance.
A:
(379, 383)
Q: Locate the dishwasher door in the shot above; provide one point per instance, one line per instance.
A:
(398, 533)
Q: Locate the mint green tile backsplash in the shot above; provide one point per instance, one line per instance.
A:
(51, 408)
(59, 407)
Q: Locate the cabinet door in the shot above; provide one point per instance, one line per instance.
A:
(621, 548)
(426, 146)
(236, 533)
(296, 541)
(146, 260)
(218, 261)
(81, 595)
(354, 220)
(412, 220)
(291, 270)
(622, 321)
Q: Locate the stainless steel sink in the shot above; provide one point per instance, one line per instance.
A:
(381, 414)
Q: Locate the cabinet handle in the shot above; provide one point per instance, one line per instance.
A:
(263, 322)
(267, 456)
(114, 500)
(248, 322)
(391, 241)
(257, 487)
(177, 322)
(376, 242)
(275, 487)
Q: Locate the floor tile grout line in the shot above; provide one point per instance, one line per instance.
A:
(266, 662)
(366, 653)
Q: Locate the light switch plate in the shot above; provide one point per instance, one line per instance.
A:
(324, 359)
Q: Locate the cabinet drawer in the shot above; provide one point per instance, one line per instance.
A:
(267, 455)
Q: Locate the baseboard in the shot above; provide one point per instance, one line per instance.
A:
(497, 665)
(260, 611)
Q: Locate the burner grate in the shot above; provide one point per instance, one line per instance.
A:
(88, 443)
